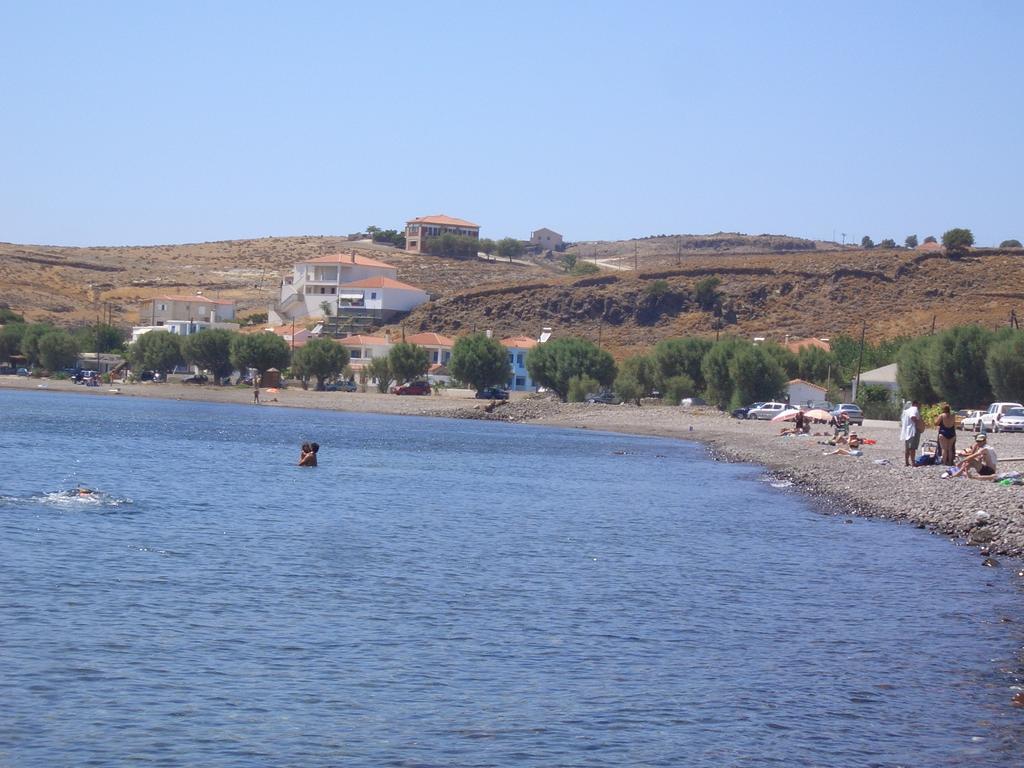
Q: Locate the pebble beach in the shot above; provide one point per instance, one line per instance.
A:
(877, 484)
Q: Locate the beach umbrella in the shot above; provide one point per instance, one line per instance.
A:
(789, 415)
(818, 414)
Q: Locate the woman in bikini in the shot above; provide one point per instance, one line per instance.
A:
(947, 436)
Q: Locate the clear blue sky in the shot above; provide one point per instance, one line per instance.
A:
(141, 123)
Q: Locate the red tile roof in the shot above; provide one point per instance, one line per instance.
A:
(362, 340)
(520, 342)
(381, 282)
(347, 258)
(444, 221)
(806, 383)
(430, 340)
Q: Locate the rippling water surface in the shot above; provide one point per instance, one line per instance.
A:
(447, 593)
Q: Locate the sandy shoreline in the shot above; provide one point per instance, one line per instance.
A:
(858, 486)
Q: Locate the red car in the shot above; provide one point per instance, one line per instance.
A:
(415, 388)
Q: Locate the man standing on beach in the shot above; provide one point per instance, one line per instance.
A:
(910, 432)
(256, 396)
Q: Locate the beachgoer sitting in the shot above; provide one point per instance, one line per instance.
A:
(981, 459)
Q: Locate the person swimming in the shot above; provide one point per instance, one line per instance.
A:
(307, 458)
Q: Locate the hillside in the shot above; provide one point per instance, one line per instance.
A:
(791, 286)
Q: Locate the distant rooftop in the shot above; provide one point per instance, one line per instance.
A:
(347, 258)
(444, 221)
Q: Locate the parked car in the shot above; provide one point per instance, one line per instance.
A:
(825, 405)
(767, 411)
(991, 420)
(341, 386)
(606, 398)
(492, 393)
(22, 371)
(852, 411)
(963, 413)
(196, 379)
(688, 401)
(83, 377)
(413, 388)
(741, 413)
(1011, 421)
(971, 421)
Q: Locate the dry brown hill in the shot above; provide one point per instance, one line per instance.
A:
(795, 287)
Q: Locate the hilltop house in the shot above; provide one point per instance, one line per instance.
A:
(417, 231)
(349, 283)
(546, 239)
(184, 315)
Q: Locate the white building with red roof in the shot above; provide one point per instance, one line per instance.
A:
(418, 231)
(184, 314)
(349, 283)
(439, 347)
(518, 348)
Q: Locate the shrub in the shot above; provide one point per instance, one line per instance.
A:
(584, 268)
(877, 403)
(957, 240)
(580, 387)
(658, 288)
(706, 294)
(677, 387)
(1010, 244)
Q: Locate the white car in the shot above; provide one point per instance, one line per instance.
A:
(768, 411)
(1012, 420)
(992, 420)
(971, 421)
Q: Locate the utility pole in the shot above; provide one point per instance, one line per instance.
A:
(679, 251)
(860, 359)
(636, 251)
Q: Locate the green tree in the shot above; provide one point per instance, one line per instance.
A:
(57, 350)
(553, 363)
(568, 262)
(487, 246)
(887, 243)
(756, 375)
(10, 340)
(787, 360)
(580, 387)
(408, 362)
(675, 388)
(156, 351)
(877, 403)
(480, 361)
(912, 370)
(453, 246)
(1010, 244)
(509, 248)
(637, 377)
(321, 359)
(867, 242)
(30, 340)
(930, 239)
(957, 240)
(910, 241)
(673, 357)
(956, 366)
(814, 364)
(325, 307)
(715, 370)
(706, 294)
(8, 315)
(379, 370)
(1005, 367)
(210, 350)
(261, 351)
(100, 338)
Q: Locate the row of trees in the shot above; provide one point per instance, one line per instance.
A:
(954, 240)
(965, 366)
(55, 348)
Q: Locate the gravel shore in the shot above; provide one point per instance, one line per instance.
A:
(877, 484)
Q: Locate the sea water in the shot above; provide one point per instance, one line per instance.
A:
(458, 593)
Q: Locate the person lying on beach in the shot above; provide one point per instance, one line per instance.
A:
(981, 459)
(852, 447)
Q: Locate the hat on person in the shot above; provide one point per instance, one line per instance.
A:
(980, 437)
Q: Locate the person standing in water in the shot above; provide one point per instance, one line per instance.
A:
(307, 457)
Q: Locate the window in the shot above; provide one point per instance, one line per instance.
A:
(412, 244)
(163, 307)
(373, 294)
(519, 358)
(520, 381)
(356, 354)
